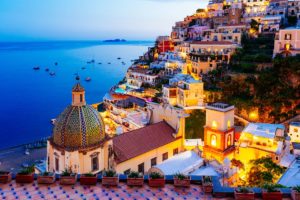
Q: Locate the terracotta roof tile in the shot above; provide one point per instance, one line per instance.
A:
(134, 143)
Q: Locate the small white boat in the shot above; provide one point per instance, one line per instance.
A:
(88, 79)
(52, 73)
(26, 152)
(53, 121)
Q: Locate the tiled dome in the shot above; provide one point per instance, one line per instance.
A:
(78, 127)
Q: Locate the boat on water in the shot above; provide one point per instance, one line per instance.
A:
(100, 63)
(53, 121)
(109, 63)
(88, 79)
(36, 68)
(52, 73)
(119, 58)
(83, 68)
(91, 61)
(56, 63)
(47, 69)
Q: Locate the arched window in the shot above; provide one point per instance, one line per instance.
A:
(213, 140)
(81, 97)
(228, 140)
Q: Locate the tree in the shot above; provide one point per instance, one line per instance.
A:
(263, 171)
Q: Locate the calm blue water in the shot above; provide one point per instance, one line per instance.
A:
(29, 99)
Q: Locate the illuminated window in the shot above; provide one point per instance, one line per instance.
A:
(228, 124)
(214, 124)
(228, 140)
(295, 130)
(213, 140)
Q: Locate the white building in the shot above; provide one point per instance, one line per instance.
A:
(294, 131)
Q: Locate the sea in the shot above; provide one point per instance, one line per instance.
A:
(29, 98)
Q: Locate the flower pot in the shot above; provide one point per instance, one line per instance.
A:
(5, 177)
(68, 180)
(271, 195)
(110, 181)
(207, 187)
(295, 195)
(182, 182)
(25, 178)
(88, 180)
(41, 179)
(244, 196)
(135, 181)
(159, 182)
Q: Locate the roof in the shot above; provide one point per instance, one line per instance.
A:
(77, 88)
(262, 129)
(184, 162)
(140, 141)
(295, 124)
(291, 177)
(212, 42)
(205, 171)
(296, 145)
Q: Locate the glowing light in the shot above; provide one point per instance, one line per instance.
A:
(287, 46)
(253, 115)
(213, 140)
(214, 124)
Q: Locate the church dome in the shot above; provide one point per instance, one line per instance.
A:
(79, 126)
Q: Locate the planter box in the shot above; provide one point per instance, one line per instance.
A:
(244, 196)
(135, 181)
(22, 178)
(295, 195)
(272, 195)
(46, 179)
(182, 183)
(110, 181)
(88, 180)
(160, 182)
(68, 180)
(5, 177)
(207, 188)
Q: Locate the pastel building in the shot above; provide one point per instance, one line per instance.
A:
(164, 44)
(230, 33)
(137, 76)
(219, 132)
(287, 42)
(294, 131)
(258, 140)
(206, 56)
(254, 10)
(185, 93)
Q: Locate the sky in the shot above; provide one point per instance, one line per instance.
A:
(33, 20)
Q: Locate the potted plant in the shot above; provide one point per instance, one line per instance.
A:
(271, 192)
(207, 184)
(156, 180)
(88, 179)
(181, 180)
(135, 179)
(46, 178)
(243, 193)
(296, 193)
(67, 177)
(110, 178)
(26, 175)
(5, 177)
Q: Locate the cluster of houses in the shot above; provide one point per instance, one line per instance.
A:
(144, 121)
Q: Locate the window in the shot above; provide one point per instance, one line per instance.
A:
(81, 97)
(165, 156)
(288, 37)
(214, 124)
(95, 163)
(295, 130)
(228, 124)
(213, 140)
(126, 172)
(141, 168)
(228, 140)
(175, 151)
(153, 162)
(56, 164)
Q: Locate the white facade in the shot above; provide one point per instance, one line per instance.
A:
(294, 131)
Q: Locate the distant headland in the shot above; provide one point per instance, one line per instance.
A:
(115, 40)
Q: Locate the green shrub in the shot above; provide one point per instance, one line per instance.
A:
(109, 173)
(134, 174)
(155, 175)
(180, 176)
